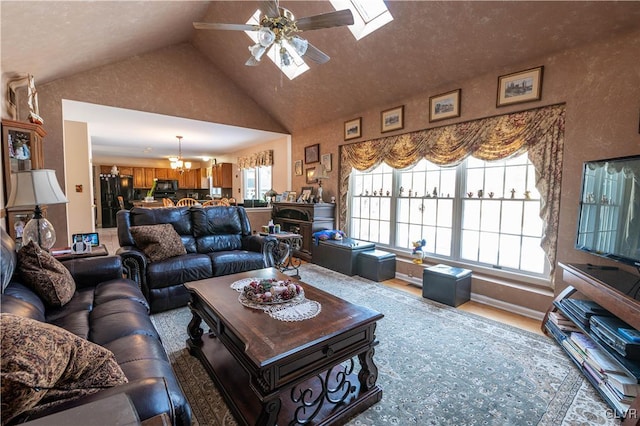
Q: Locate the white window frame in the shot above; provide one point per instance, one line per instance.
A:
(260, 186)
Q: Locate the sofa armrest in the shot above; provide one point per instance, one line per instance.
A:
(89, 271)
(261, 244)
(150, 397)
(135, 263)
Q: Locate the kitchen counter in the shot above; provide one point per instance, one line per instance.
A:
(142, 203)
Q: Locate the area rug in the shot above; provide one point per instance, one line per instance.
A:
(437, 366)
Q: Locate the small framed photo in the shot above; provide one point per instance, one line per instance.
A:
(284, 197)
(312, 154)
(325, 161)
(353, 129)
(523, 86)
(291, 197)
(311, 175)
(445, 105)
(298, 168)
(307, 193)
(392, 119)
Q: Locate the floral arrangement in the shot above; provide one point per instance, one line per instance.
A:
(153, 188)
(270, 290)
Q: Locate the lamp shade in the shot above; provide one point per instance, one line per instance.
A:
(35, 187)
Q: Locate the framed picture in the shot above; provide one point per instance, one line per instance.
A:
(325, 161)
(392, 119)
(311, 175)
(353, 129)
(523, 86)
(312, 153)
(307, 193)
(291, 197)
(445, 105)
(298, 168)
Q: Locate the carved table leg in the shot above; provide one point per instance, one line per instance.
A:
(270, 412)
(193, 329)
(368, 374)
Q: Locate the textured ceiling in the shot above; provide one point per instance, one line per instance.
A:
(428, 45)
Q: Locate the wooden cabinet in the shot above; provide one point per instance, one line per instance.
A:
(138, 177)
(611, 289)
(21, 149)
(222, 175)
(125, 171)
(149, 175)
(304, 219)
(161, 173)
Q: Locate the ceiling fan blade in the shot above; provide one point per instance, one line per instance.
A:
(270, 8)
(232, 27)
(315, 54)
(325, 20)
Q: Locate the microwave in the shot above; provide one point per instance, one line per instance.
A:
(167, 185)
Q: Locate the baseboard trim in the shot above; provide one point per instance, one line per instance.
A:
(485, 300)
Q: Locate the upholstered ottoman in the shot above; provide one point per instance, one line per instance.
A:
(340, 255)
(377, 265)
(447, 284)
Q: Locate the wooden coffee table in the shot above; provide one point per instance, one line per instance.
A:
(279, 372)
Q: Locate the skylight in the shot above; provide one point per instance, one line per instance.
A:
(297, 65)
(368, 15)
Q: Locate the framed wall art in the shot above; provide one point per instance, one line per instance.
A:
(522, 86)
(445, 105)
(298, 168)
(325, 161)
(353, 129)
(312, 154)
(392, 119)
(311, 175)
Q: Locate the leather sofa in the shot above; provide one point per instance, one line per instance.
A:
(217, 240)
(110, 311)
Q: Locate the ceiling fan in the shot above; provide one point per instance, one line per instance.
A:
(278, 27)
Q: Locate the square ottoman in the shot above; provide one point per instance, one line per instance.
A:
(377, 265)
(339, 255)
(447, 284)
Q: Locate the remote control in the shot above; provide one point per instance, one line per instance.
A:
(630, 333)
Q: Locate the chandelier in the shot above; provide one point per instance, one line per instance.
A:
(177, 163)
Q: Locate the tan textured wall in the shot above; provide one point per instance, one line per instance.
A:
(80, 213)
(600, 85)
(174, 81)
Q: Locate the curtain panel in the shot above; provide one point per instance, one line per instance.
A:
(540, 132)
(259, 159)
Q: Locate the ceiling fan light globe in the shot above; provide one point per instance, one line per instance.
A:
(257, 51)
(300, 45)
(251, 62)
(266, 37)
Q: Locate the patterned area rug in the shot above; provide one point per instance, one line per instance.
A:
(437, 366)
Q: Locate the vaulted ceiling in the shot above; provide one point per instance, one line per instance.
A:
(428, 45)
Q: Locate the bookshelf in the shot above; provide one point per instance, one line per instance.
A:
(615, 291)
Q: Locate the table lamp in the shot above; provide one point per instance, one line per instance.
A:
(35, 188)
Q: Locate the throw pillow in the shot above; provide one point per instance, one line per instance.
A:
(45, 275)
(158, 242)
(45, 365)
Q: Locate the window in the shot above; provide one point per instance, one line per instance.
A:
(256, 182)
(368, 15)
(482, 213)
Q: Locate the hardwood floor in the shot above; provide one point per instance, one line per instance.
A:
(109, 237)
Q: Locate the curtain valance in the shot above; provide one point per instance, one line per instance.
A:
(540, 132)
(259, 159)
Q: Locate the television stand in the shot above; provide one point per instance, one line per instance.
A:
(614, 290)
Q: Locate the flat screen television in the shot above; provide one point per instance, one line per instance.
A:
(609, 221)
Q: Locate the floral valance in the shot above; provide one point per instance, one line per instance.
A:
(259, 159)
(540, 132)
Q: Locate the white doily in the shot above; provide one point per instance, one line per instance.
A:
(296, 309)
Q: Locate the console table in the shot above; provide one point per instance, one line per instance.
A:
(304, 219)
(616, 291)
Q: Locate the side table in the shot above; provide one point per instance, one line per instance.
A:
(289, 242)
(65, 253)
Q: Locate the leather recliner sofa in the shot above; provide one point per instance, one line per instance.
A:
(217, 239)
(110, 311)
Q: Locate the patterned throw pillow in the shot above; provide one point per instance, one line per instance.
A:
(45, 365)
(158, 242)
(45, 275)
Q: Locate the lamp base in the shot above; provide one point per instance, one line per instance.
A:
(40, 231)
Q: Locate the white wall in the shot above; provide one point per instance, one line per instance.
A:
(78, 178)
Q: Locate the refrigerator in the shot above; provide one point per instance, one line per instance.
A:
(112, 187)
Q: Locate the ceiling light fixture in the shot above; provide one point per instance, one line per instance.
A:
(178, 163)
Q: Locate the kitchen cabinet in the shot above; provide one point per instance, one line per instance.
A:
(161, 173)
(125, 171)
(222, 175)
(138, 177)
(149, 175)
